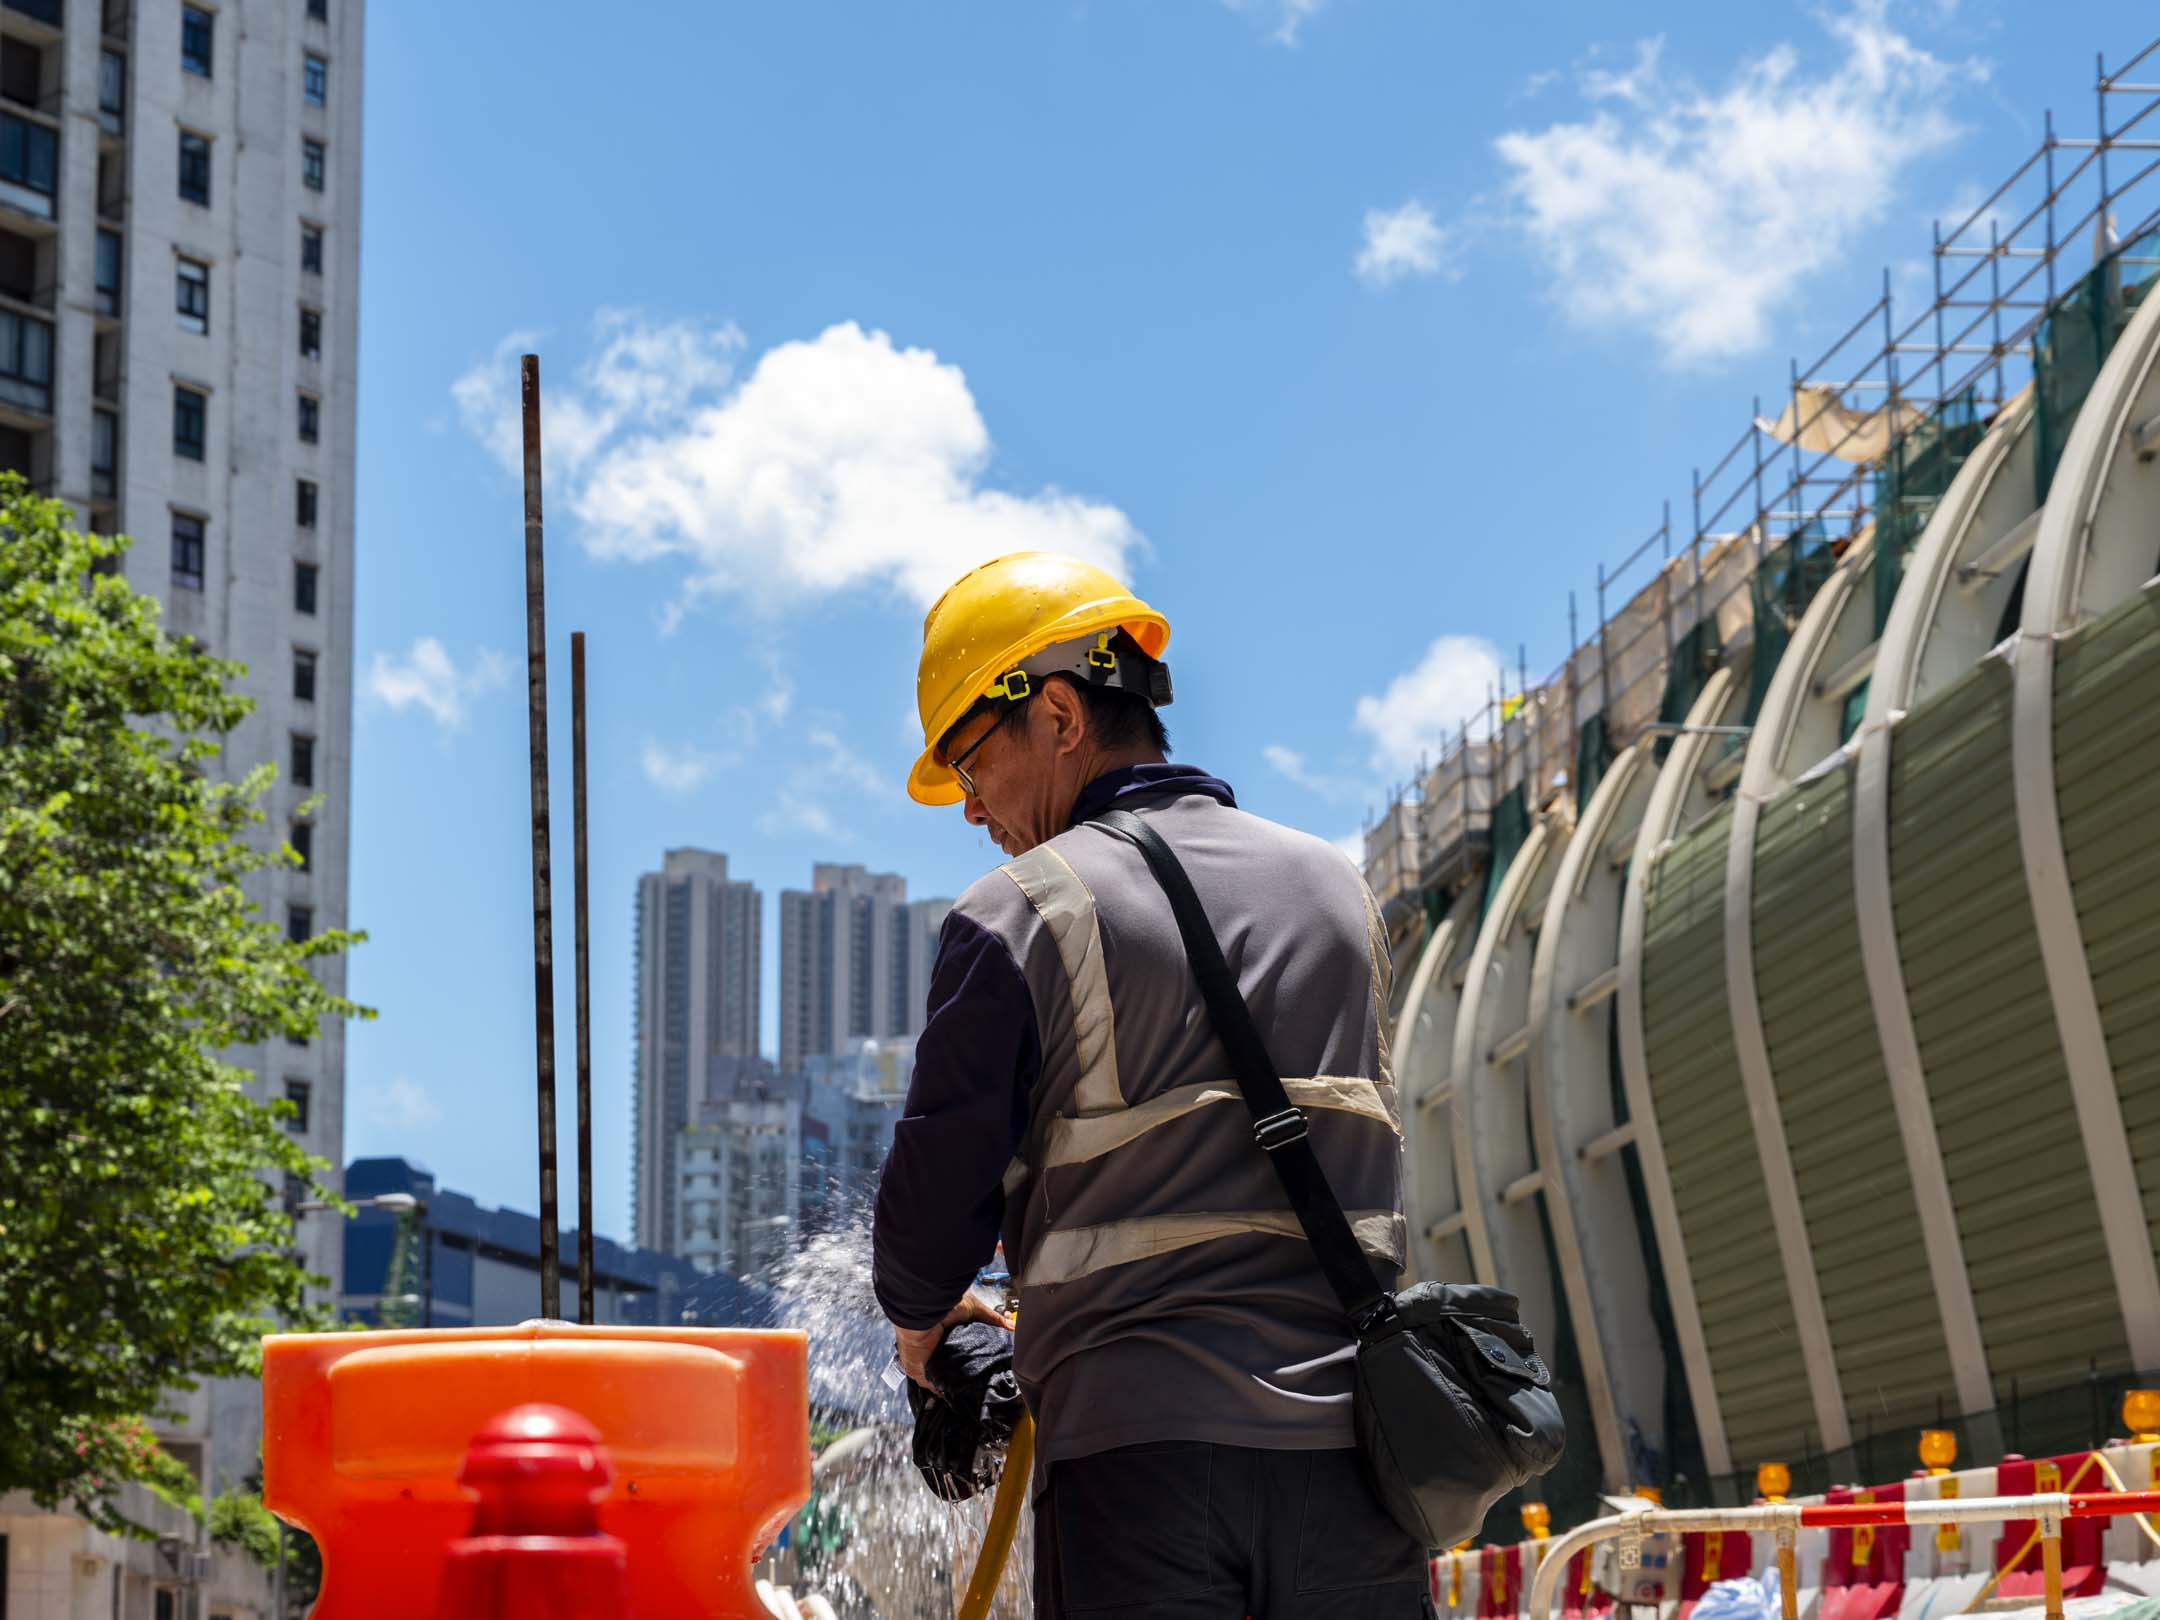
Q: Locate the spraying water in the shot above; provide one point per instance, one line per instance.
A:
(874, 1540)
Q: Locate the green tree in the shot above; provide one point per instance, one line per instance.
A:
(144, 1244)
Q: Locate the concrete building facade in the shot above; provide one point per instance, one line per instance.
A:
(179, 278)
(740, 1168)
(699, 935)
(854, 961)
(851, 1102)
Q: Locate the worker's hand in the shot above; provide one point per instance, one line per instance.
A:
(916, 1343)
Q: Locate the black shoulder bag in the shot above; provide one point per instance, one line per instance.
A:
(1453, 1407)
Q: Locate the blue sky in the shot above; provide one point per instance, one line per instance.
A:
(1357, 331)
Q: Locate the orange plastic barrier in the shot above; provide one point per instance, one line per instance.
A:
(364, 1435)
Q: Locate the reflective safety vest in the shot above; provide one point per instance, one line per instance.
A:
(1167, 1291)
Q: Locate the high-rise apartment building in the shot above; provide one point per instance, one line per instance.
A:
(854, 961)
(698, 940)
(740, 1168)
(179, 318)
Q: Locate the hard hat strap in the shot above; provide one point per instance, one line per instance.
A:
(1101, 658)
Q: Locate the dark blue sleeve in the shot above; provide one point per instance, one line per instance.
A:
(941, 1197)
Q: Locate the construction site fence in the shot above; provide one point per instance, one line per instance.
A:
(1932, 1543)
(2077, 1414)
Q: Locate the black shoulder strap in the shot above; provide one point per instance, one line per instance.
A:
(1278, 1125)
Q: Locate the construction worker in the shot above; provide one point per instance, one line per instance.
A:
(1188, 1369)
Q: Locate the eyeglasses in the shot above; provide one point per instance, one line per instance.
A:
(958, 764)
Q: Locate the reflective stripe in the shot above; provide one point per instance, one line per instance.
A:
(1376, 941)
(1066, 1256)
(1075, 1141)
(1067, 909)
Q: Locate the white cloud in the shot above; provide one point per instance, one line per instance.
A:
(839, 463)
(1697, 213)
(1400, 242)
(841, 761)
(1423, 709)
(792, 812)
(404, 1105)
(1289, 763)
(1287, 16)
(428, 677)
(677, 770)
(640, 374)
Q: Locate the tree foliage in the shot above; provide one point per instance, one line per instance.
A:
(239, 1520)
(144, 1245)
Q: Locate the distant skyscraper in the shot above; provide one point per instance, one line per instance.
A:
(854, 961)
(698, 937)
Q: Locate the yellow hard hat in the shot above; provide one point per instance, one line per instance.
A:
(992, 618)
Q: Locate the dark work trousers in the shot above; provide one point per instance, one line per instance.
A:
(1188, 1531)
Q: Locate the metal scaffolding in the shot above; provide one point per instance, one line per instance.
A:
(1806, 479)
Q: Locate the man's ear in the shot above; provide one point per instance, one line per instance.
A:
(1068, 715)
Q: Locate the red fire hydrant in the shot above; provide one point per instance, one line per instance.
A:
(536, 1551)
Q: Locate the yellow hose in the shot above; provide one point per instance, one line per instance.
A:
(1012, 1494)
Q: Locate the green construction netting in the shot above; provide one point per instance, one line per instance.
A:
(1854, 712)
(1909, 483)
(2074, 341)
(1782, 586)
(1510, 826)
(1694, 656)
(1593, 758)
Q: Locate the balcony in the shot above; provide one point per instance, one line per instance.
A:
(26, 364)
(29, 164)
(50, 13)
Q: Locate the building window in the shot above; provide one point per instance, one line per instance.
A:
(303, 844)
(26, 361)
(187, 551)
(297, 1093)
(303, 588)
(194, 168)
(311, 334)
(319, 10)
(112, 92)
(303, 675)
(299, 924)
(108, 272)
(198, 35)
(29, 164)
(311, 164)
(311, 249)
(190, 409)
(191, 295)
(104, 454)
(310, 419)
(303, 760)
(304, 503)
(315, 80)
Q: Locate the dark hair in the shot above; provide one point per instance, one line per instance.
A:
(1121, 719)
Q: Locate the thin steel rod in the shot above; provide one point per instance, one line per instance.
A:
(543, 894)
(2135, 62)
(582, 900)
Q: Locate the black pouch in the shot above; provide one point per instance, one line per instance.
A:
(1454, 1408)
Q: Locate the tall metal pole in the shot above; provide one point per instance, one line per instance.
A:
(543, 892)
(584, 981)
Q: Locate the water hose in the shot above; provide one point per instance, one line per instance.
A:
(1012, 1494)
